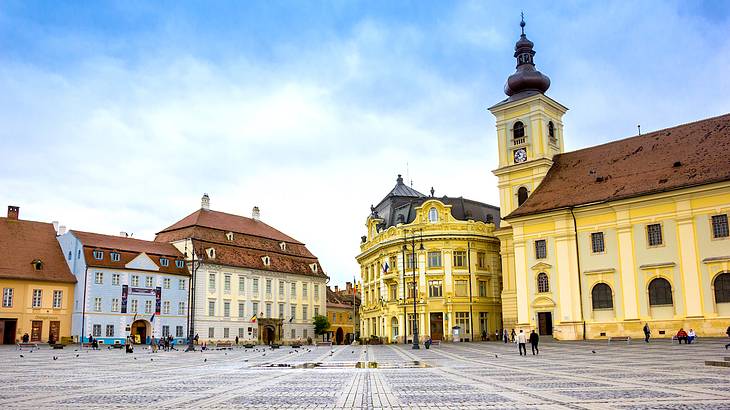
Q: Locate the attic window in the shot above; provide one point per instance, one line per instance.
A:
(164, 262)
(210, 252)
(282, 246)
(179, 263)
(98, 255)
(313, 266)
(38, 264)
(433, 215)
(266, 260)
(115, 256)
(229, 236)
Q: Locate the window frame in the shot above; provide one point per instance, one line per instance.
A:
(37, 299)
(57, 297)
(543, 282)
(98, 255)
(538, 242)
(438, 285)
(649, 238)
(653, 293)
(164, 262)
(713, 229)
(602, 236)
(600, 303)
(433, 215)
(431, 255)
(115, 256)
(459, 255)
(8, 297)
(725, 286)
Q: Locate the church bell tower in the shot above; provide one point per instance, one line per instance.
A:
(529, 129)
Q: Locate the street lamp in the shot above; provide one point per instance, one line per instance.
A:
(194, 265)
(413, 266)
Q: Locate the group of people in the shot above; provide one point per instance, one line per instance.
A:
(93, 342)
(163, 343)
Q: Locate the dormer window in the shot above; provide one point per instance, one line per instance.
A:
(164, 262)
(179, 263)
(282, 246)
(229, 236)
(37, 264)
(433, 215)
(266, 260)
(313, 267)
(115, 256)
(98, 255)
(210, 252)
(518, 130)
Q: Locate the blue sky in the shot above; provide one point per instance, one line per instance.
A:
(119, 115)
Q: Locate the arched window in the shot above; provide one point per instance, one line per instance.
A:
(518, 130)
(660, 292)
(521, 195)
(601, 295)
(551, 131)
(433, 215)
(543, 285)
(722, 288)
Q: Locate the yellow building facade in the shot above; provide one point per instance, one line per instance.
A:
(440, 252)
(601, 241)
(342, 313)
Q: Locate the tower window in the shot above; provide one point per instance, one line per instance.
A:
(521, 196)
(518, 131)
(551, 133)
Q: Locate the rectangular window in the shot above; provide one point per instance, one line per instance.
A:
(462, 320)
(459, 259)
(540, 249)
(268, 286)
(654, 234)
(115, 256)
(8, 297)
(434, 259)
(115, 278)
(164, 262)
(148, 281)
(461, 288)
(96, 331)
(181, 284)
(227, 308)
(293, 292)
(98, 255)
(226, 333)
(281, 311)
(97, 304)
(165, 330)
(268, 310)
(241, 309)
(179, 263)
(57, 298)
(179, 331)
(211, 332)
(720, 226)
(316, 311)
(99, 278)
(411, 323)
(435, 288)
(411, 262)
(166, 283)
(293, 312)
(304, 333)
(166, 307)
(305, 312)
(305, 289)
(316, 291)
(181, 308)
(411, 289)
(227, 283)
(482, 288)
(281, 289)
(597, 244)
(241, 285)
(37, 298)
(255, 307)
(211, 308)
(135, 280)
(109, 330)
(481, 260)
(148, 306)
(241, 331)
(293, 333)
(134, 306)
(211, 282)
(255, 286)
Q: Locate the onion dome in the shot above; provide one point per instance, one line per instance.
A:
(526, 78)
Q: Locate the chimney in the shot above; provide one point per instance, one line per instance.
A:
(348, 286)
(337, 288)
(205, 202)
(13, 212)
(61, 230)
(123, 234)
(55, 226)
(256, 213)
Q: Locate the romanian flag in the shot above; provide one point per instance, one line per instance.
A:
(253, 319)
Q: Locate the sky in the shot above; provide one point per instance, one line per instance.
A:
(118, 115)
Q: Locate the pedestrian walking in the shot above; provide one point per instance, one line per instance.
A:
(647, 332)
(505, 336)
(196, 338)
(522, 342)
(727, 332)
(496, 335)
(534, 340)
(153, 344)
(512, 338)
(236, 340)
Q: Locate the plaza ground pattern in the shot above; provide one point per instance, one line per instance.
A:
(660, 375)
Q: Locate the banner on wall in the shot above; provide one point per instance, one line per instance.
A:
(158, 299)
(125, 293)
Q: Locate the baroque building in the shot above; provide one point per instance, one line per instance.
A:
(597, 242)
(37, 286)
(126, 287)
(342, 312)
(250, 280)
(439, 256)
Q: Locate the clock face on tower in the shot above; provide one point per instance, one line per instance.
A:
(520, 155)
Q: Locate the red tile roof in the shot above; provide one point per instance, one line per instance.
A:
(687, 155)
(230, 223)
(22, 242)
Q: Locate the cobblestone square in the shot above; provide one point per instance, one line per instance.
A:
(465, 376)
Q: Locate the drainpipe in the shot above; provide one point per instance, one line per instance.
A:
(83, 307)
(471, 303)
(580, 284)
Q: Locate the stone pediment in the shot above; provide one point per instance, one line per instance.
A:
(543, 302)
(542, 266)
(142, 262)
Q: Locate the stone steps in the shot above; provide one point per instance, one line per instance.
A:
(718, 363)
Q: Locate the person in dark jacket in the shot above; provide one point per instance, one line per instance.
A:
(534, 340)
(727, 332)
(647, 333)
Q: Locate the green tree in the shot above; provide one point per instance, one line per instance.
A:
(321, 324)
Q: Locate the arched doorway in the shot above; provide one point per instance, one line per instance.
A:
(139, 331)
(269, 335)
(339, 336)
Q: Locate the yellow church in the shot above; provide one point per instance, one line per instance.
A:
(600, 241)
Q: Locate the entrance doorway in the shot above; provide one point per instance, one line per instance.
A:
(36, 330)
(437, 325)
(339, 336)
(268, 335)
(545, 323)
(484, 325)
(139, 331)
(7, 331)
(53, 331)
(394, 329)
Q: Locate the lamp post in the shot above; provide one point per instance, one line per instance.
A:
(194, 265)
(413, 266)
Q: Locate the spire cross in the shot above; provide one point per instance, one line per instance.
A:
(522, 23)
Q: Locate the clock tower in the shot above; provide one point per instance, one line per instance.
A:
(529, 129)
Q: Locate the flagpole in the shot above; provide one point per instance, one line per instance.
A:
(354, 290)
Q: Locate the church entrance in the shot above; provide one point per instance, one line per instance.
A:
(545, 323)
(138, 331)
